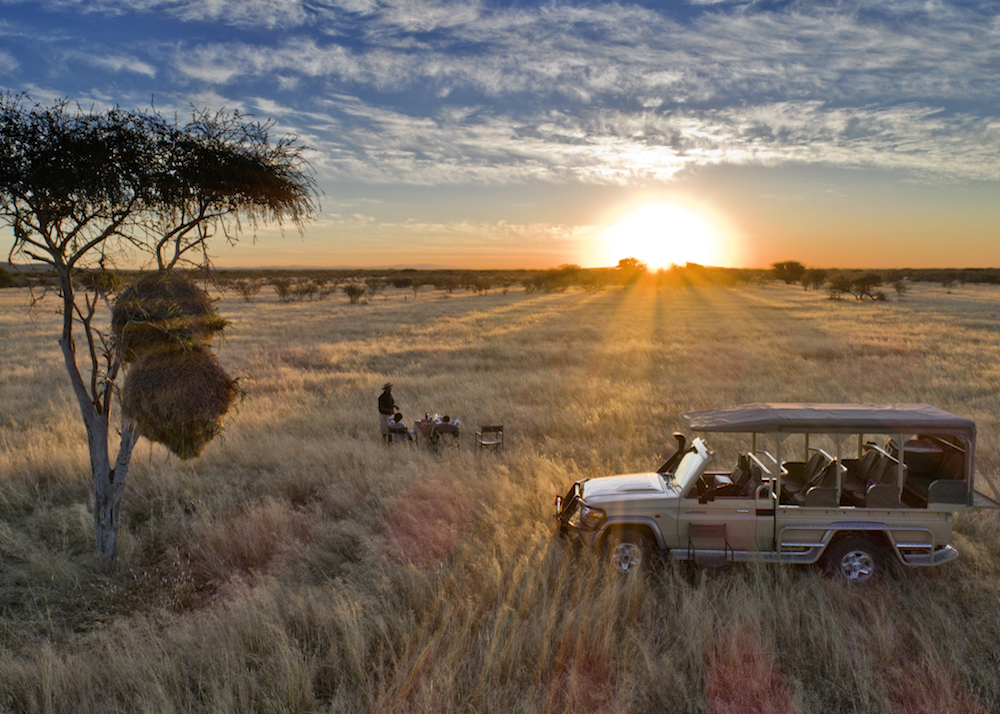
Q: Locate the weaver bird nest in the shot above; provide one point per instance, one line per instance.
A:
(163, 312)
(175, 388)
(179, 398)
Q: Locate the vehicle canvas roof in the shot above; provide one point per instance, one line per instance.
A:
(832, 418)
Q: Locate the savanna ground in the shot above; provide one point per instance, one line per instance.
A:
(301, 565)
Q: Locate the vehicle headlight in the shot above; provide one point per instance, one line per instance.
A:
(590, 518)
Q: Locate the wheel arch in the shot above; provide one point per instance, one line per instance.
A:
(649, 530)
(877, 536)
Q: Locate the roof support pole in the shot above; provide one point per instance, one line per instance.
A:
(842, 440)
(900, 467)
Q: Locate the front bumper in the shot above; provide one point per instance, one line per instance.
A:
(566, 507)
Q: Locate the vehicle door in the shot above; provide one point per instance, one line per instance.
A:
(737, 514)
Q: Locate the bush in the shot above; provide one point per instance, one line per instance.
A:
(303, 289)
(864, 285)
(375, 286)
(325, 287)
(354, 292)
(813, 278)
(839, 284)
(283, 287)
(247, 288)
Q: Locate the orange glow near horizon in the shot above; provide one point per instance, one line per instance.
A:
(664, 233)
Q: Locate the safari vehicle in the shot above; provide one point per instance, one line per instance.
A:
(856, 487)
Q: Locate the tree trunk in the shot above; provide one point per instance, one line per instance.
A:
(108, 482)
(108, 486)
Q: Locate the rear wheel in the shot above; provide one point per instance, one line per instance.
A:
(628, 551)
(857, 560)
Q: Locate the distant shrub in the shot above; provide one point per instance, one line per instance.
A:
(481, 285)
(813, 278)
(375, 286)
(838, 285)
(247, 288)
(102, 282)
(354, 292)
(556, 280)
(283, 287)
(303, 289)
(901, 287)
(447, 283)
(6, 279)
(325, 287)
(864, 285)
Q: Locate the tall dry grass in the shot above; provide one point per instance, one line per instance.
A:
(300, 565)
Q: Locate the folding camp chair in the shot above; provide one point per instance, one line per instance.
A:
(490, 438)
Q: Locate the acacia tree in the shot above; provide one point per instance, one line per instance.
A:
(788, 270)
(85, 192)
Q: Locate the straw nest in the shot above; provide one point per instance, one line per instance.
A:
(179, 398)
(163, 311)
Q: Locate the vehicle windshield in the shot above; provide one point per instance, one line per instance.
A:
(691, 465)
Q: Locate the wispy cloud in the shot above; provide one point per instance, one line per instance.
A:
(8, 65)
(118, 63)
(355, 140)
(440, 92)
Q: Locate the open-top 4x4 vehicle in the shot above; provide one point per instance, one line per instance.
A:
(855, 486)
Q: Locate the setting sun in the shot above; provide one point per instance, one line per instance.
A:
(664, 233)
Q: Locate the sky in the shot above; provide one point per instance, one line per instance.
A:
(519, 134)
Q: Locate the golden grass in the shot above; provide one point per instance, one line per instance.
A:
(300, 565)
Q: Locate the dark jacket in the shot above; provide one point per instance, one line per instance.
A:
(385, 404)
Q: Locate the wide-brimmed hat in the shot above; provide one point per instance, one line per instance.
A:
(387, 385)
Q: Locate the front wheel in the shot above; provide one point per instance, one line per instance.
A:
(856, 560)
(628, 551)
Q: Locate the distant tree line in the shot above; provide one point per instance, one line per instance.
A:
(358, 285)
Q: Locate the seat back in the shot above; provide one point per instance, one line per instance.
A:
(445, 432)
(821, 492)
(813, 466)
(755, 480)
(827, 478)
(866, 464)
(884, 471)
(490, 437)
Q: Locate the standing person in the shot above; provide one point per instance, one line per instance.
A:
(386, 408)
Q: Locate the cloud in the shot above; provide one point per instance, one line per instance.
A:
(468, 236)
(120, 63)
(595, 54)
(358, 141)
(441, 92)
(8, 65)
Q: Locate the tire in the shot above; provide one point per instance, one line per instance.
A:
(628, 551)
(856, 560)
